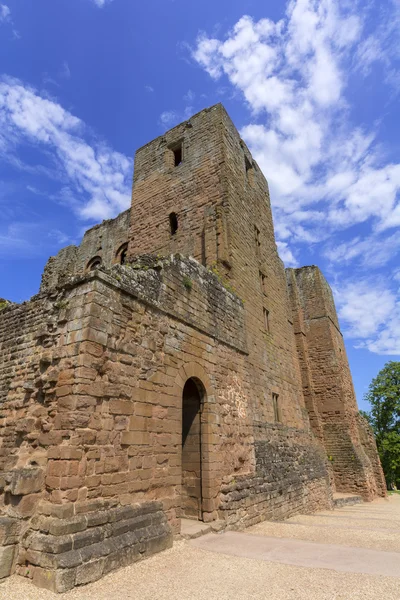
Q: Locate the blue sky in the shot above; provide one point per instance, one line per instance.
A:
(313, 86)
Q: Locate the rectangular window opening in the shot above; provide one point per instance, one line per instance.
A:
(266, 320)
(178, 155)
(275, 403)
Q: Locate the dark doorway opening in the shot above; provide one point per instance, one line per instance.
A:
(191, 501)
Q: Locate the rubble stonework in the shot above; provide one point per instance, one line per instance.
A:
(170, 367)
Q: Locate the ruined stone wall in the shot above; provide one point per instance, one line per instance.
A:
(327, 375)
(111, 356)
(368, 443)
(93, 369)
(220, 197)
(104, 242)
(291, 477)
(248, 256)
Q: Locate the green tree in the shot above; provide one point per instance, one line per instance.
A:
(384, 417)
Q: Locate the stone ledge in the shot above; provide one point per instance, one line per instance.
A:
(59, 561)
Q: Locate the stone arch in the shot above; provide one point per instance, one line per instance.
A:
(121, 254)
(94, 263)
(196, 371)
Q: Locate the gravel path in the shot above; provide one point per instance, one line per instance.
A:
(190, 573)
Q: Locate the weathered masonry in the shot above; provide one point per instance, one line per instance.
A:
(170, 367)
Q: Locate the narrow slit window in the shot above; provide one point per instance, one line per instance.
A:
(275, 404)
(263, 284)
(173, 223)
(249, 171)
(257, 239)
(266, 320)
(178, 155)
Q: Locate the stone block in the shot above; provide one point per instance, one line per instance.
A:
(45, 578)
(26, 481)
(24, 506)
(70, 559)
(88, 537)
(49, 543)
(66, 526)
(124, 512)
(136, 438)
(121, 407)
(7, 560)
(61, 511)
(9, 530)
(95, 519)
(56, 581)
(89, 572)
(41, 559)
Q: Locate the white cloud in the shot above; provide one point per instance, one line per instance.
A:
(370, 252)
(370, 312)
(97, 177)
(327, 171)
(101, 3)
(65, 72)
(293, 75)
(4, 13)
(286, 255)
(170, 118)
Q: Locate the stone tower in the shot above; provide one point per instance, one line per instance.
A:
(170, 368)
(198, 192)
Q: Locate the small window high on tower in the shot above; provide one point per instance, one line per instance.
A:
(178, 155)
(173, 223)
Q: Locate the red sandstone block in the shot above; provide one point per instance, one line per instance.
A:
(57, 468)
(138, 423)
(135, 438)
(92, 481)
(70, 482)
(66, 403)
(121, 407)
(91, 348)
(93, 335)
(53, 482)
(64, 390)
(143, 409)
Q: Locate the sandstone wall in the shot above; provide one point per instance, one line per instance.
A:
(104, 242)
(328, 385)
(291, 477)
(220, 198)
(93, 418)
(96, 411)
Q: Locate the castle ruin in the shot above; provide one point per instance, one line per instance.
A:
(170, 367)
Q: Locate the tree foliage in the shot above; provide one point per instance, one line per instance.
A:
(384, 417)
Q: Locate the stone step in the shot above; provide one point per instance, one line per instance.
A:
(191, 529)
(340, 500)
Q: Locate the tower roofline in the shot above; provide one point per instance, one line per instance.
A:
(218, 106)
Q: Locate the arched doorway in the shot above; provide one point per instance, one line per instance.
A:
(192, 404)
